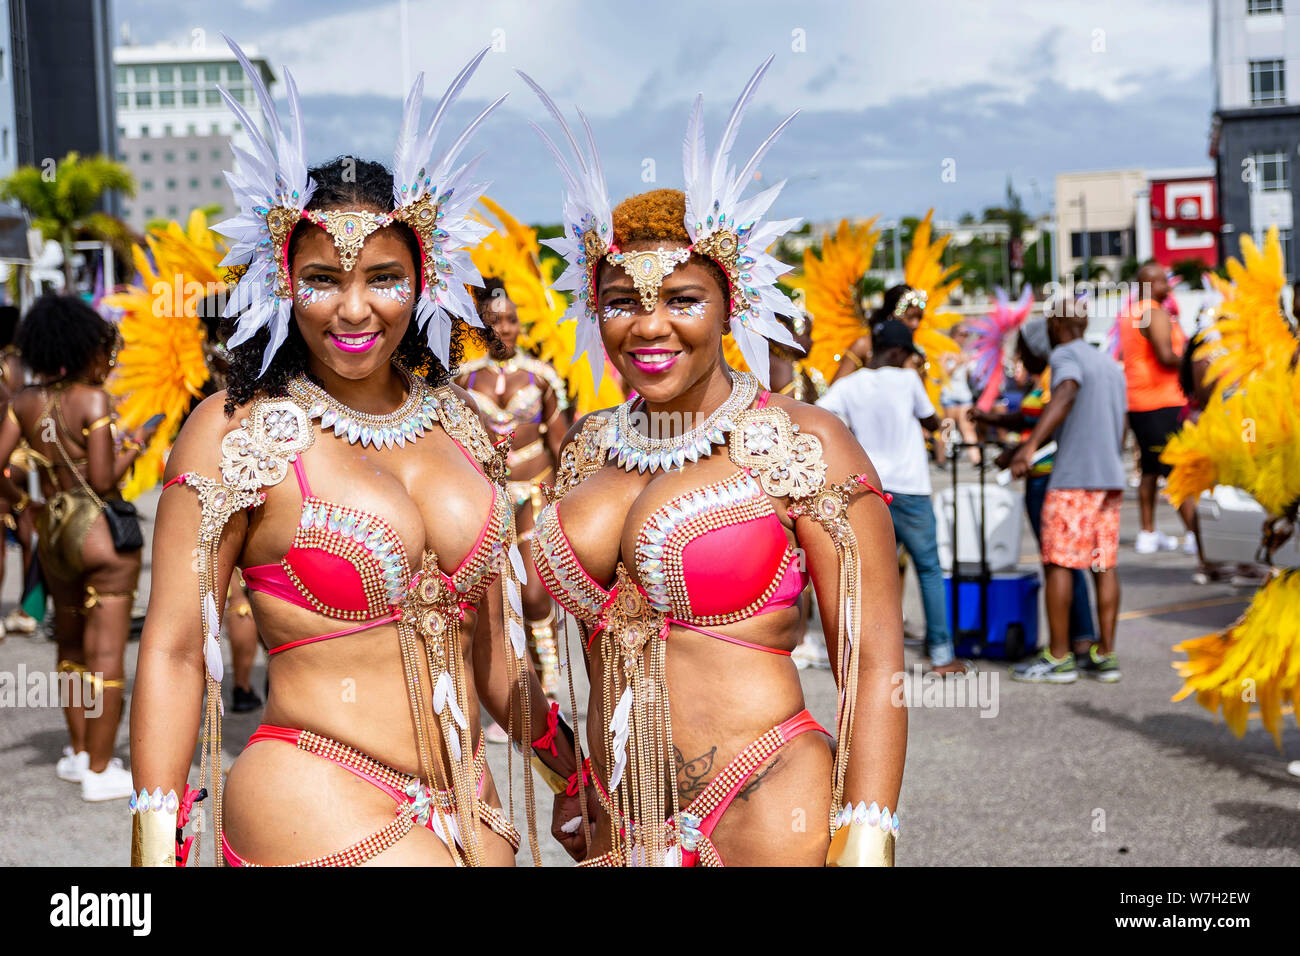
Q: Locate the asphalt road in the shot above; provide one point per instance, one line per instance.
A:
(1081, 774)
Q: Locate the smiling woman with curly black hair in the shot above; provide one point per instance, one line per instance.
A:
(65, 417)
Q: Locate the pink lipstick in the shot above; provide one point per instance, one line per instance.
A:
(654, 361)
(355, 343)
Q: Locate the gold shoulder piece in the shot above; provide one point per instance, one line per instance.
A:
(786, 462)
(259, 452)
(460, 422)
(582, 457)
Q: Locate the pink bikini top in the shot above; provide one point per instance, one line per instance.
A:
(351, 565)
(715, 555)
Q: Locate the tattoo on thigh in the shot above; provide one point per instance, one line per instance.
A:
(693, 775)
(757, 779)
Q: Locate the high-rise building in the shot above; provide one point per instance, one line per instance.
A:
(173, 129)
(1256, 128)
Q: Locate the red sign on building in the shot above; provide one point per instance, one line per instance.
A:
(1184, 221)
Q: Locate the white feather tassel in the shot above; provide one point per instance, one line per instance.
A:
(211, 639)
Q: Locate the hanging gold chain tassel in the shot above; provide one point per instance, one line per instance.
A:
(577, 734)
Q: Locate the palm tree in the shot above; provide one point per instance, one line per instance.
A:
(62, 202)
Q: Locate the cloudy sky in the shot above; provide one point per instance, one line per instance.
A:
(890, 93)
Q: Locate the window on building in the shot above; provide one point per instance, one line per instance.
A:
(4, 143)
(171, 185)
(216, 129)
(1267, 82)
(241, 95)
(189, 74)
(192, 155)
(147, 186)
(194, 183)
(233, 72)
(217, 182)
(169, 157)
(212, 73)
(165, 74)
(120, 75)
(192, 129)
(189, 97)
(1254, 7)
(172, 212)
(1112, 242)
(123, 100)
(168, 130)
(216, 154)
(144, 99)
(148, 212)
(146, 156)
(121, 132)
(211, 97)
(144, 130)
(166, 98)
(142, 75)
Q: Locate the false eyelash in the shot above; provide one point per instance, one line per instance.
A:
(400, 292)
(694, 309)
(612, 312)
(309, 296)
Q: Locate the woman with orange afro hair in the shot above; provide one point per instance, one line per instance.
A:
(683, 529)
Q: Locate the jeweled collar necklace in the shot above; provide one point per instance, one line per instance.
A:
(634, 451)
(418, 413)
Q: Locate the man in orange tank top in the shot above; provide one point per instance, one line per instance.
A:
(1152, 342)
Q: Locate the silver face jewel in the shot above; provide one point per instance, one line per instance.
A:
(634, 451)
(398, 292)
(695, 309)
(408, 422)
(309, 295)
(613, 312)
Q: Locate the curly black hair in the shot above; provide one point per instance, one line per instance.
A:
(61, 336)
(343, 182)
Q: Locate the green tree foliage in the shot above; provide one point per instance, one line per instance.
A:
(63, 201)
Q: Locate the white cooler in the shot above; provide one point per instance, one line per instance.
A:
(1003, 512)
(1232, 523)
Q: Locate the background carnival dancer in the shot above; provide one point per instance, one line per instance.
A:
(15, 515)
(522, 396)
(675, 548)
(406, 597)
(66, 419)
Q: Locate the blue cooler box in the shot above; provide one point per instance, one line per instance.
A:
(1012, 610)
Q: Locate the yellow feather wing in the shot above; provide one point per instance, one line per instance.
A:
(828, 285)
(161, 366)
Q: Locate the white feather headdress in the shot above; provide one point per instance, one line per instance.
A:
(431, 194)
(721, 225)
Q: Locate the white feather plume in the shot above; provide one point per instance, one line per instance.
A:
(586, 208)
(713, 190)
(212, 639)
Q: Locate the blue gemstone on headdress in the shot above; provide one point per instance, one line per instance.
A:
(709, 220)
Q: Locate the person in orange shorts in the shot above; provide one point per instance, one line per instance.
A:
(1080, 519)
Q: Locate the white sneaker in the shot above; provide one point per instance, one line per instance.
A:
(1149, 542)
(1189, 543)
(72, 767)
(19, 622)
(113, 783)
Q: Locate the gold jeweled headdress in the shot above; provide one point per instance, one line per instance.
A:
(431, 194)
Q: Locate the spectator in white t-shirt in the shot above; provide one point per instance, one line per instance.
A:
(886, 407)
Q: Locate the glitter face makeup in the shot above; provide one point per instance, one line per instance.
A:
(695, 309)
(310, 295)
(398, 292)
(611, 312)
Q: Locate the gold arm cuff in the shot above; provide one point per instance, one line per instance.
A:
(13, 416)
(857, 844)
(550, 777)
(97, 423)
(153, 838)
